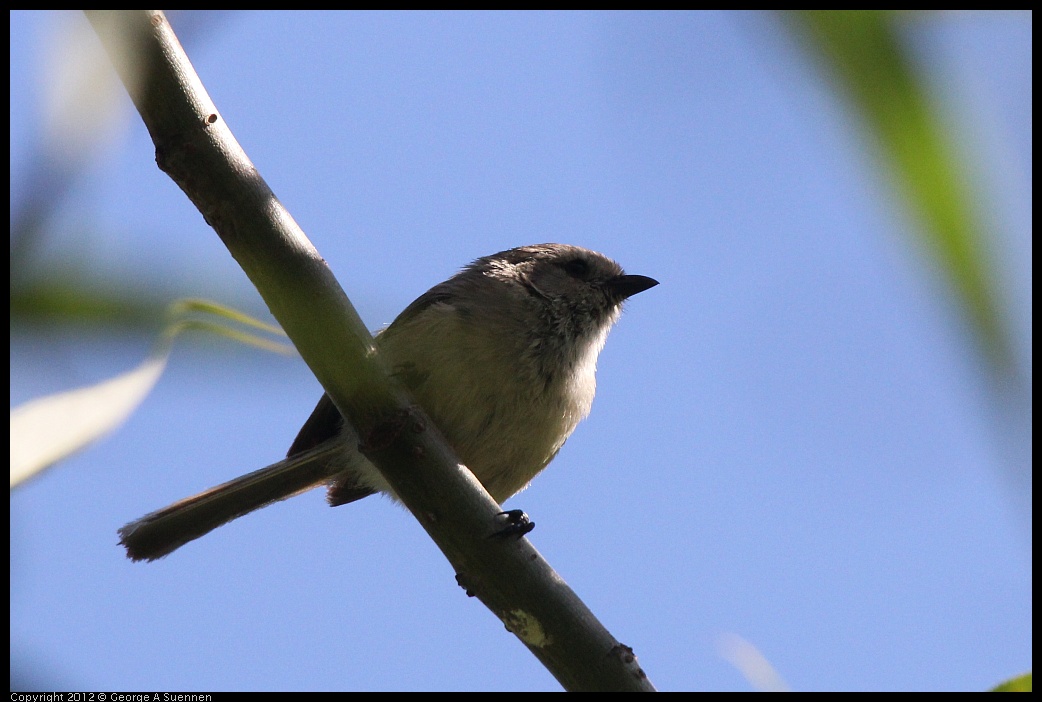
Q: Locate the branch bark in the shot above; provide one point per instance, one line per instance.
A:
(195, 147)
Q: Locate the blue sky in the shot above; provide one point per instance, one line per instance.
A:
(792, 441)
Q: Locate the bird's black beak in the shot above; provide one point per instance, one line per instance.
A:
(629, 285)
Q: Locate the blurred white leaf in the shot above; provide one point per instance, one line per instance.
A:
(47, 429)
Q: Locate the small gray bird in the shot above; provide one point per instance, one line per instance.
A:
(501, 356)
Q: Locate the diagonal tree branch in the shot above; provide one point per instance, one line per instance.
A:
(195, 147)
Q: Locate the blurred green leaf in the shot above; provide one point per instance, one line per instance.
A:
(863, 51)
(1021, 683)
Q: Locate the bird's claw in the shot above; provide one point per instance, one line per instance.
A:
(517, 524)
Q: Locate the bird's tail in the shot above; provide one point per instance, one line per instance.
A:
(157, 534)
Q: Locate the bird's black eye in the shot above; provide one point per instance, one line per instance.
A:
(577, 268)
